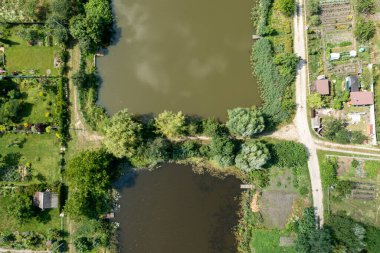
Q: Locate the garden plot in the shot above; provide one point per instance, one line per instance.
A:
(362, 202)
(332, 13)
(20, 11)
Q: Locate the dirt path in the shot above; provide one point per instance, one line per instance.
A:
(301, 120)
(83, 134)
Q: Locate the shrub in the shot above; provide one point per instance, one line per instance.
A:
(329, 172)
(287, 7)
(364, 29)
(290, 154)
(365, 6)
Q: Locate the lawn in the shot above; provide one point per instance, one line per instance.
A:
(41, 223)
(267, 241)
(20, 56)
(41, 151)
(25, 58)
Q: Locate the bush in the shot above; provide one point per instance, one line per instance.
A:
(186, 149)
(329, 172)
(364, 29)
(290, 154)
(222, 149)
(287, 7)
(212, 128)
(365, 6)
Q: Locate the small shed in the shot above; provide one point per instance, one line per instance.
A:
(334, 56)
(352, 83)
(361, 98)
(316, 122)
(322, 86)
(45, 200)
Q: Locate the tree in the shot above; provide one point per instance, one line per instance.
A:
(212, 128)
(245, 122)
(89, 177)
(331, 127)
(222, 149)
(9, 110)
(92, 30)
(19, 206)
(365, 6)
(348, 233)
(320, 241)
(99, 20)
(306, 227)
(57, 22)
(364, 29)
(122, 135)
(253, 156)
(170, 124)
(315, 101)
(287, 7)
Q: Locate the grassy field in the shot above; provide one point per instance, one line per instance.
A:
(25, 58)
(267, 241)
(41, 223)
(41, 151)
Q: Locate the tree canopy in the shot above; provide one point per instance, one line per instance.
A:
(245, 122)
(89, 177)
(222, 150)
(122, 135)
(170, 124)
(253, 156)
(92, 28)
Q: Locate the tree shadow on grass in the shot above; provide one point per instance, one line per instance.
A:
(43, 216)
(9, 42)
(26, 110)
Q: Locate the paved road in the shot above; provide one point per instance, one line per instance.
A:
(301, 121)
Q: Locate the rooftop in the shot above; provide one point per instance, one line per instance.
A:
(45, 200)
(322, 86)
(361, 98)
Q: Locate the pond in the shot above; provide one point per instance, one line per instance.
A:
(172, 210)
(176, 55)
